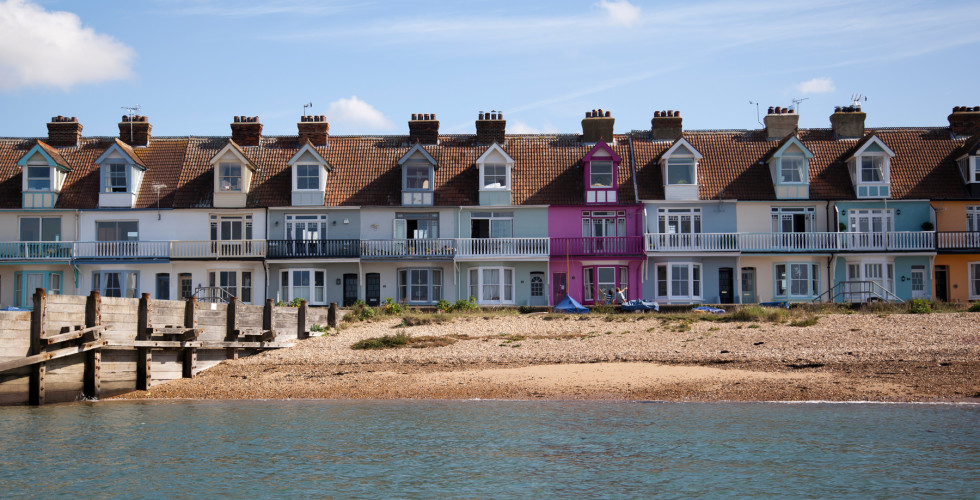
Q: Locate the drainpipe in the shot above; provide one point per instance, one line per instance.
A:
(636, 190)
(459, 230)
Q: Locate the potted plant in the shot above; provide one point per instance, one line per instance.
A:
(927, 226)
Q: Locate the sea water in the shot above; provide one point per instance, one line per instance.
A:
(489, 449)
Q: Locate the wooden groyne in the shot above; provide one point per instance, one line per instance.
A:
(73, 347)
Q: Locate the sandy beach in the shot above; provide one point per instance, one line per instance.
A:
(843, 357)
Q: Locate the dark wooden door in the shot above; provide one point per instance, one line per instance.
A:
(350, 289)
(372, 288)
(726, 286)
(942, 283)
(559, 287)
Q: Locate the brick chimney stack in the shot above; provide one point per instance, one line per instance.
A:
(964, 120)
(313, 128)
(666, 125)
(848, 121)
(597, 126)
(490, 128)
(64, 131)
(423, 128)
(246, 130)
(135, 130)
(780, 122)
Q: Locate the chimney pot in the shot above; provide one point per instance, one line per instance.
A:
(848, 122)
(246, 130)
(780, 123)
(64, 132)
(313, 128)
(666, 125)
(965, 120)
(491, 128)
(424, 129)
(597, 127)
(135, 130)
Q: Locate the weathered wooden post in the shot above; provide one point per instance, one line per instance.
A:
(144, 357)
(35, 394)
(190, 353)
(92, 385)
(301, 331)
(268, 333)
(332, 315)
(231, 327)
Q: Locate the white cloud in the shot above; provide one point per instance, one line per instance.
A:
(519, 127)
(621, 12)
(816, 86)
(42, 48)
(354, 113)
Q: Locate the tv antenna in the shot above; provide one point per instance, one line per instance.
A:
(307, 106)
(756, 112)
(856, 99)
(133, 111)
(796, 103)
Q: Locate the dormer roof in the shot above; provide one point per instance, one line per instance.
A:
(682, 143)
(309, 149)
(602, 146)
(970, 148)
(787, 142)
(236, 150)
(49, 153)
(492, 149)
(416, 149)
(866, 142)
(123, 149)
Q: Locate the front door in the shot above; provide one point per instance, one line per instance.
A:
(918, 276)
(942, 283)
(726, 286)
(350, 289)
(559, 287)
(538, 297)
(748, 285)
(372, 289)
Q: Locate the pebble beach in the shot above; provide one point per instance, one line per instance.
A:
(842, 357)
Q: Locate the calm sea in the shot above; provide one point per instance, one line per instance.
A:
(489, 449)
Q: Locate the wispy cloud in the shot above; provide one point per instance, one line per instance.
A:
(354, 115)
(243, 8)
(816, 86)
(520, 127)
(42, 48)
(621, 12)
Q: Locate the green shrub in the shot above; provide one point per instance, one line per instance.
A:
(390, 307)
(807, 321)
(444, 305)
(919, 306)
(465, 305)
(386, 342)
(974, 307)
(424, 319)
(759, 313)
(525, 309)
(360, 312)
(317, 328)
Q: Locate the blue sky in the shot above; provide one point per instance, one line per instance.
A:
(368, 65)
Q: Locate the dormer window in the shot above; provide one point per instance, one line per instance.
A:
(230, 177)
(39, 178)
(494, 176)
(869, 168)
(679, 168)
(791, 169)
(418, 176)
(601, 174)
(970, 168)
(115, 178)
(789, 165)
(307, 177)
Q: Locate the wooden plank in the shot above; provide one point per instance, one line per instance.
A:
(60, 353)
(176, 344)
(72, 334)
(92, 378)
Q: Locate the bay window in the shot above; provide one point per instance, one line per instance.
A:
(797, 280)
(26, 282)
(600, 282)
(492, 285)
(306, 284)
(116, 283)
(679, 281)
(419, 285)
(975, 281)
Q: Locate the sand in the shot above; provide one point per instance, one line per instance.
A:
(844, 357)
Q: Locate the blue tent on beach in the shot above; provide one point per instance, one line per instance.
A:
(570, 305)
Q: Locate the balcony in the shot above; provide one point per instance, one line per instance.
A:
(220, 249)
(600, 246)
(898, 241)
(314, 249)
(959, 241)
(691, 242)
(789, 242)
(35, 250)
(121, 249)
(468, 248)
(437, 248)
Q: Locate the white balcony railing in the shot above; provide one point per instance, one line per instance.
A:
(120, 249)
(217, 249)
(418, 249)
(691, 242)
(894, 241)
(789, 242)
(502, 247)
(960, 240)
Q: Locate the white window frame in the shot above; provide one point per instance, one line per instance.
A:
(974, 283)
(110, 175)
(288, 287)
(495, 221)
(793, 162)
(411, 170)
(481, 288)
(686, 161)
(611, 173)
(604, 221)
(676, 220)
(879, 166)
(314, 167)
(664, 273)
(973, 218)
(49, 178)
(227, 174)
(100, 278)
(780, 214)
(241, 290)
(486, 176)
(217, 223)
(319, 222)
(783, 280)
(407, 287)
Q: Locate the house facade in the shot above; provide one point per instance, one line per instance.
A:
(846, 213)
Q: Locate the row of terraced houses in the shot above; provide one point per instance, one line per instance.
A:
(845, 213)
